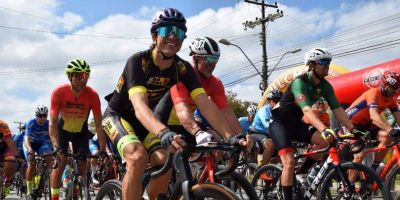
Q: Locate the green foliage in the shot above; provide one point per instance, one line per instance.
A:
(238, 106)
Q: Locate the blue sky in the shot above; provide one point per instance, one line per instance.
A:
(33, 56)
(94, 10)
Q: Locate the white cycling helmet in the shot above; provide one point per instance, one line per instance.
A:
(251, 110)
(204, 46)
(317, 54)
(41, 110)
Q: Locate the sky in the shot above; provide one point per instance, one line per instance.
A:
(38, 38)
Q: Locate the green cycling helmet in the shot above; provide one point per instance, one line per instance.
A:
(77, 65)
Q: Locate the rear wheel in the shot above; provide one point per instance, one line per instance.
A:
(213, 191)
(336, 185)
(238, 184)
(393, 182)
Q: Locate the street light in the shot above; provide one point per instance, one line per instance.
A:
(226, 42)
(294, 51)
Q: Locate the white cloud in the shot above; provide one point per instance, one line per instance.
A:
(26, 50)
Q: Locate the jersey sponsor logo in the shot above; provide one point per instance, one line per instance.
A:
(158, 81)
(79, 106)
(301, 98)
(120, 83)
(181, 67)
(373, 78)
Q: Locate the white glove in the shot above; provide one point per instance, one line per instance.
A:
(204, 137)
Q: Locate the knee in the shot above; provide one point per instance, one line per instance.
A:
(136, 157)
(269, 146)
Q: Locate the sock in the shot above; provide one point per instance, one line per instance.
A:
(375, 165)
(308, 163)
(29, 185)
(55, 193)
(287, 192)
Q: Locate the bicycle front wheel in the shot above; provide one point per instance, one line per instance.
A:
(81, 190)
(213, 191)
(111, 190)
(367, 184)
(265, 182)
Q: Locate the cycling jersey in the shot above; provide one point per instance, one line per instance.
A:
(245, 124)
(287, 115)
(74, 110)
(261, 120)
(19, 140)
(142, 75)
(5, 134)
(358, 111)
(36, 131)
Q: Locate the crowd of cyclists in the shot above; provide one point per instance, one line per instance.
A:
(162, 104)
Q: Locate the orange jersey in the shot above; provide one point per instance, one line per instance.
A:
(358, 111)
(5, 130)
(74, 110)
(324, 117)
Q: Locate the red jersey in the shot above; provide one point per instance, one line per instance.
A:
(324, 117)
(358, 111)
(213, 87)
(74, 110)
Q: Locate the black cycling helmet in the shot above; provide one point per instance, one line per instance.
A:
(168, 17)
(274, 95)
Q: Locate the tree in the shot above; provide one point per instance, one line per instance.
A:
(238, 106)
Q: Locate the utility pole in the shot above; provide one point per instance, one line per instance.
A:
(19, 125)
(262, 22)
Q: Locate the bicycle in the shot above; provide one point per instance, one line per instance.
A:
(18, 181)
(331, 182)
(77, 188)
(41, 183)
(211, 172)
(185, 186)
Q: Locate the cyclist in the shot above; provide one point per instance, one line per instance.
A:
(94, 149)
(8, 149)
(205, 54)
(19, 140)
(129, 120)
(287, 124)
(36, 140)
(319, 109)
(259, 127)
(245, 122)
(365, 112)
(69, 112)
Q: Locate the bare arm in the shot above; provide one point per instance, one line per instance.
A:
(314, 120)
(213, 115)
(144, 114)
(53, 130)
(232, 119)
(378, 121)
(10, 142)
(100, 134)
(27, 143)
(185, 116)
(342, 117)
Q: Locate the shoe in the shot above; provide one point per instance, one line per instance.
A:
(6, 191)
(95, 181)
(266, 177)
(29, 197)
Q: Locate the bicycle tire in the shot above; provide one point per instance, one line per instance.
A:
(391, 182)
(267, 189)
(212, 190)
(360, 191)
(238, 184)
(111, 189)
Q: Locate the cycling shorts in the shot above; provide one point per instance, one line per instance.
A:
(122, 131)
(80, 141)
(39, 146)
(282, 134)
(259, 139)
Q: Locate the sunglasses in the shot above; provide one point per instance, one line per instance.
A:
(323, 62)
(81, 75)
(166, 31)
(41, 115)
(210, 59)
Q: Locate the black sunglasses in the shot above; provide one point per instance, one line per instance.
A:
(41, 115)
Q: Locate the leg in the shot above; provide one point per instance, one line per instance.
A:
(287, 157)
(269, 149)
(159, 185)
(384, 139)
(55, 178)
